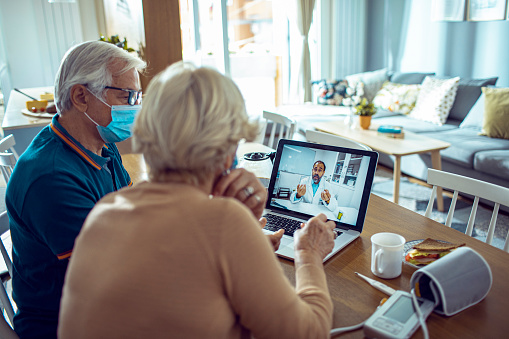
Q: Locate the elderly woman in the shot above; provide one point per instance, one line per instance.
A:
(168, 258)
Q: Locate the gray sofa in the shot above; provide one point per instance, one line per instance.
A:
(470, 154)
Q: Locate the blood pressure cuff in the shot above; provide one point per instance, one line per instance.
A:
(455, 282)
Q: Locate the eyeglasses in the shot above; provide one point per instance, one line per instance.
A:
(134, 96)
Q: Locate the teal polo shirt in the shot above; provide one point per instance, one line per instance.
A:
(53, 187)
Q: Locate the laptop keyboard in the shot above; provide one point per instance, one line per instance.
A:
(276, 222)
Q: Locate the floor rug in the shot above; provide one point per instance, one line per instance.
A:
(415, 197)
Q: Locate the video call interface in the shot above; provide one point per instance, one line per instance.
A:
(312, 181)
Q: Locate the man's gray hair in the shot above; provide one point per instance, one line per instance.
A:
(88, 64)
(191, 120)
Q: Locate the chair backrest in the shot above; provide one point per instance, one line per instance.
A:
(8, 156)
(286, 130)
(5, 241)
(479, 189)
(334, 140)
(6, 331)
(5, 248)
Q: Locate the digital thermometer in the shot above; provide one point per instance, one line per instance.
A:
(397, 317)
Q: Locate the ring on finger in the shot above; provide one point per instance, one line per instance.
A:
(258, 199)
(248, 190)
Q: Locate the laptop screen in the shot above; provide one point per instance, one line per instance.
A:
(308, 179)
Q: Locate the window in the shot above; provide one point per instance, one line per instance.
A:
(244, 39)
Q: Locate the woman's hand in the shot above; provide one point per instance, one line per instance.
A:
(274, 238)
(245, 187)
(316, 236)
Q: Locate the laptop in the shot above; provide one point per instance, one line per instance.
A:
(347, 175)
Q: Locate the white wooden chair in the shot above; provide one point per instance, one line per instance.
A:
(8, 156)
(5, 248)
(477, 188)
(286, 131)
(6, 331)
(334, 140)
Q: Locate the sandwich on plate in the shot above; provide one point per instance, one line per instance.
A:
(429, 250)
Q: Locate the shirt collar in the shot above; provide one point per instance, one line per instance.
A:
(93, 159)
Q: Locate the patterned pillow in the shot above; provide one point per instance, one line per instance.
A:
(435, 100)
(372, 82)
(397, 97)
(330, 92)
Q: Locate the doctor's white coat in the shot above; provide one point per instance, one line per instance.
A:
(309, 198)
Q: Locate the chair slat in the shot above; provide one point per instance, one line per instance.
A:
(452, 208)
(479, 189)
(427, 214)
(334, 140)
(286, 130)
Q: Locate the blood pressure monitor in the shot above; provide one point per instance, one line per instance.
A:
(397, 317)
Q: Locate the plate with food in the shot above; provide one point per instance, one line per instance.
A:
(38, 113)
(418, 253)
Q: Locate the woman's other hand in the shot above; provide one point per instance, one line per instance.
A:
(315, 236)
(274, 238)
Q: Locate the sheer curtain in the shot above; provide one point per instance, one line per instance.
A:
(300, 86)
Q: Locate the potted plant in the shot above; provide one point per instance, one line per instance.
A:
(365, 110)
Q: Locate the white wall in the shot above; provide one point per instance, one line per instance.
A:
(466, 49)
(36, 34)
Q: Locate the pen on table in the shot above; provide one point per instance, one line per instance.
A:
(377, 284)
(31, 97)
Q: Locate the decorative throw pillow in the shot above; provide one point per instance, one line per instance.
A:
(330, 92)
(468, 92)
(475, 116)
(409, 78)
(373, 81)
(435, 100)
(397, 97)
(496, 112)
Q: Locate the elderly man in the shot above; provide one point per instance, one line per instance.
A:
(314, 190)
(68, 167)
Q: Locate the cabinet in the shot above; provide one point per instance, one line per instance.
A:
(347, 168)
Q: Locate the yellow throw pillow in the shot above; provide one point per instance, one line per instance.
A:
(496, 112)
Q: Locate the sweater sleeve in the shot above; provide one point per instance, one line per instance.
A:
(258, 290)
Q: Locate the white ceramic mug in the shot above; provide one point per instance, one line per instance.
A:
(387, 254)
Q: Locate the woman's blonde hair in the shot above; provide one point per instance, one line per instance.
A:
(191, 120)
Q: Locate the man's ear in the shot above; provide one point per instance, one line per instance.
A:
(80, 97)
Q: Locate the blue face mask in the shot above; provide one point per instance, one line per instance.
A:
(235, 162)
(122, 120)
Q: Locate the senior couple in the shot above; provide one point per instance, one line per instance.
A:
(181, 255)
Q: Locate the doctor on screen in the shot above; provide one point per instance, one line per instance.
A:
(313, 189)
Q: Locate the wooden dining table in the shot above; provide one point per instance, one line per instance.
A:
(355, 300)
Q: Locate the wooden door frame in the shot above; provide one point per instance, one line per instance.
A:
(163, 42)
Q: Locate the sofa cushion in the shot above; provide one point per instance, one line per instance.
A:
(493, 162)
(409, 78)
(410, 124)
(475, 117)
(496, 112)
(372, 81)
(468, 92)
(330, 92)
(435, 100)
(397, 97)
(465, 143)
